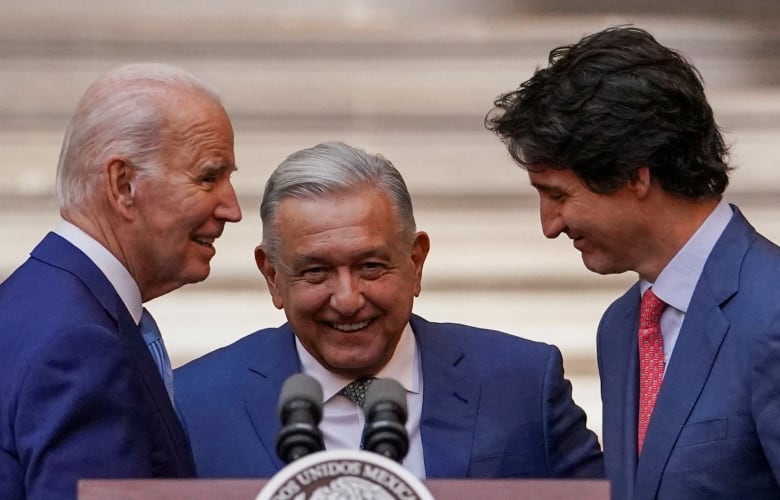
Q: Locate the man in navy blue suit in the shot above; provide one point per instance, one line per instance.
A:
(618, 139)
(342, 256)
(144, 189)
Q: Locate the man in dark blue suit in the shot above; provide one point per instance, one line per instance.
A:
(342, 256)
(621, 145)
(144, 189)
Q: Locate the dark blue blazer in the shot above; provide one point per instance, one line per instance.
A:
(715, 430)
(494, 406)
(81, 396)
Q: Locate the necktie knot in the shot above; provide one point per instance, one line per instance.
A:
(650, 310)
(149, 328)
(356, 391)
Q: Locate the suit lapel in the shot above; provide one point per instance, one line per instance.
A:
(450, 403)
(265, 375)
(622, 414)
(154, 384)
(58, 252)
(701, 336)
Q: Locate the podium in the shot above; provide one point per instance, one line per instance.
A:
(343, 474)
(247, 489)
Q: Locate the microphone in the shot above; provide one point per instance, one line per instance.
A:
(386, 413)
(300, 411)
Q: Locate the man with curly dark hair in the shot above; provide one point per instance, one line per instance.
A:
(618, 138)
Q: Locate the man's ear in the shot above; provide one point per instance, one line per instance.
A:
(120, 176)
(420, 248)
(641, 182)
(268, 270)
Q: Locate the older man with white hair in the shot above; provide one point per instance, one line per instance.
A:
(144, 189)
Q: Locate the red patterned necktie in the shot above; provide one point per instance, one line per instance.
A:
(651, 360)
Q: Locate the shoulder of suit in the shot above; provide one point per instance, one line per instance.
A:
(467, 335)
(242, 350)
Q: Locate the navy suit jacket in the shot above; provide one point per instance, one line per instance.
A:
(494, 405)
(715, 429)
(82, 397)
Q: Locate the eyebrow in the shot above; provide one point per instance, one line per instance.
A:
(547, 187)
(217, 167)
(380, 252)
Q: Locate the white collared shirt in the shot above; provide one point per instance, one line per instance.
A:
(677, 281)
(115, 272)
(342, 422)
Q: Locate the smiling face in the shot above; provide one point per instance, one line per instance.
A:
(345, 276)
(607, 229)
(181, 210)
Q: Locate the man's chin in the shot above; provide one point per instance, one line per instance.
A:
(603, 268)
(198, 275)
(594, 265)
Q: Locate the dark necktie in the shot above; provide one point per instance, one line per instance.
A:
(651, 360)
(154, 343)
(356, 391)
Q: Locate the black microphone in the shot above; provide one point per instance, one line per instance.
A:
(386, 413)
(300, 410)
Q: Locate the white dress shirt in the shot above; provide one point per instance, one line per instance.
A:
(342, 422)
(115, 272)
(677, 281)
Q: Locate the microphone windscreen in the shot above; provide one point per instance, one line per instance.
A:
(300, 387)
(383, 390)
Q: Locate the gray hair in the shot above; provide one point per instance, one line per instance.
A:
(329, 168)
(121, 114)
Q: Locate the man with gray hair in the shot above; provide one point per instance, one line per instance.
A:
(342, 256)
(144, 189)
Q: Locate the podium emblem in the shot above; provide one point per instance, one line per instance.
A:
(344, 475)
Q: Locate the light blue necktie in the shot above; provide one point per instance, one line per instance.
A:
(154, 342)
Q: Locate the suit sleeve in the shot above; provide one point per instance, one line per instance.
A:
(572, 449)
(82, 413)
(766, 394)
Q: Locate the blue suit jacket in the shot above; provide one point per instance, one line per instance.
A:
(715, 429)
(494, 406)
(82, 397)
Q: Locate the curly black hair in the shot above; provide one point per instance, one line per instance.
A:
(612, 103)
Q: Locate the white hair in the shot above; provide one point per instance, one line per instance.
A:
(120, 114)
(327, 169)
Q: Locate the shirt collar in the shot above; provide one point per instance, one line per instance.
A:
(403, 367)
(109, 265)
(677, 281)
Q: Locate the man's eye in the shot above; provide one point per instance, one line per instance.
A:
(556, 196)
(372, 269)
(209, 179)
(314, 274)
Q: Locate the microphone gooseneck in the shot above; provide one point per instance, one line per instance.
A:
(385, 410)
(300, 411)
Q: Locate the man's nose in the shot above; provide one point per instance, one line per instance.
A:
(228, 208)
(552, 222)
(347, 294)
